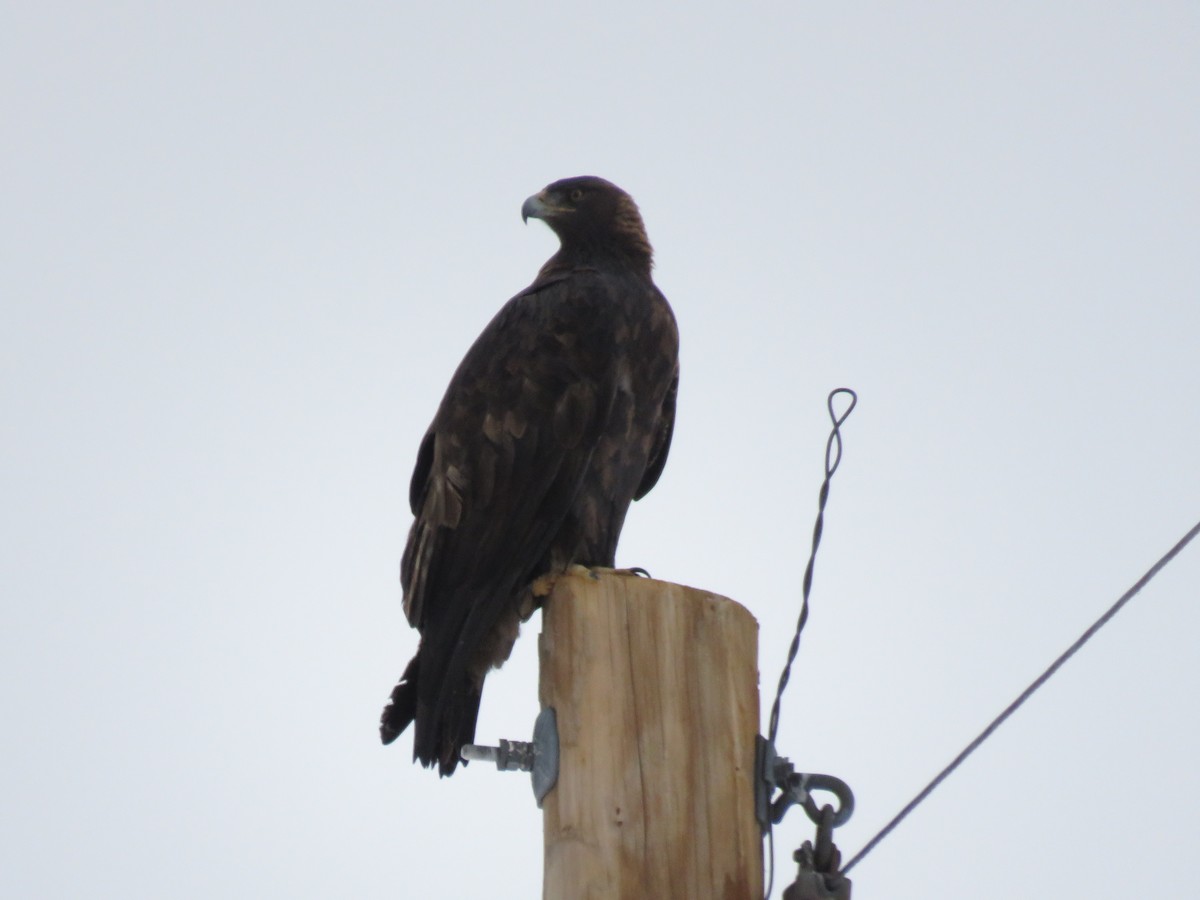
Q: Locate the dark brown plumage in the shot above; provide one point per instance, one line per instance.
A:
(558, 417)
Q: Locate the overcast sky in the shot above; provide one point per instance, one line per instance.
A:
(244, 245)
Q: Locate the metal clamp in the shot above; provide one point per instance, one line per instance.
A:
(539, 756)
(819, 876)
(776, 773)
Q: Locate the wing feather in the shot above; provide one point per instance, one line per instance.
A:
(662, 443)
(494, 505)
(560, 413)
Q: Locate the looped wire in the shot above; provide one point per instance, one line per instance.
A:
(833, 458)
(835, 436)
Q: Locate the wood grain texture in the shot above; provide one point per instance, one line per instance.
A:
(656, 690)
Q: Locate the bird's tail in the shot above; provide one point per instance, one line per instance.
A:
(402, 708)
(441, 728)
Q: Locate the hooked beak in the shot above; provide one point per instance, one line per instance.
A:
(535, 207)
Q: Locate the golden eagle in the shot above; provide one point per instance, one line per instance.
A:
(558, 417)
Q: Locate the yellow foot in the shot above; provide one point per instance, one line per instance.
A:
(543, 586)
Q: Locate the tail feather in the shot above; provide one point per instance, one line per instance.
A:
(459, 731)
(402, 708)
(441, 729)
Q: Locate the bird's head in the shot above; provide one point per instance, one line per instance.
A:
(591, 216)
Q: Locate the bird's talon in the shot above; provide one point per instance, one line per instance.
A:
(543, 585)
(594, 572)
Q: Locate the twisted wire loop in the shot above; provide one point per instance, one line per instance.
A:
(1024, 695)
(833, 458)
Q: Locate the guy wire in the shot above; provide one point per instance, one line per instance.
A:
(1024, 695)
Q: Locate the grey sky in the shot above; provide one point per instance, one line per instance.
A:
(243, 246)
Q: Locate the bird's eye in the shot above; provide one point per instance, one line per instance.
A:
(576, 195)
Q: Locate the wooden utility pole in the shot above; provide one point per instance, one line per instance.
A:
(655, 686)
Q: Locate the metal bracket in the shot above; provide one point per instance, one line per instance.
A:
(539, 756)
(774, 772)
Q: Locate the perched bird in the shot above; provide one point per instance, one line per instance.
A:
(558, 417)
